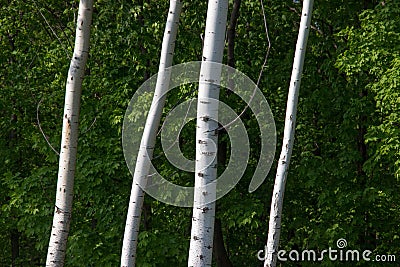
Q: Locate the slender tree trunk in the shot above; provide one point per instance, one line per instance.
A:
(230, 39)
(201, 241)
(128, 256)
(69, 140)
(14, 235)
(231, 33)
(220, 252)
(221, 255)
(288, 138)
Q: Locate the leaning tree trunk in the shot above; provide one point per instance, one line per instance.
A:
(128, 256)
(201, 240)
(69, 140)
(288, 138)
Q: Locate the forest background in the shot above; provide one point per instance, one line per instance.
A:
(344, 180)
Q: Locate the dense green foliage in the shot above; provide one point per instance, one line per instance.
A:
(344, 180)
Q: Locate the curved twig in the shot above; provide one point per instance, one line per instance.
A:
(41, 130)
(259, 76)
(91, 125)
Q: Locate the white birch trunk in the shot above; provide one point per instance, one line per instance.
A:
(288, 138)
(128, 256)
(69, 141)
(201, 241)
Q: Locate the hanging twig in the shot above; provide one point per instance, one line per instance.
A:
(259, 75)
(41, 130)
(45, 136)
(91, 125)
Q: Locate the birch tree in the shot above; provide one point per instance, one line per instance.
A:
(288, 137)
(201, 239)
(128, 256)
(69, 140)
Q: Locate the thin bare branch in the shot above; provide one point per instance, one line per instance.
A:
(91, 125)
(41, 130)
(51, 28)
(259, 75)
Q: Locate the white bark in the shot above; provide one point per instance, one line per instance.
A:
(69, 140)
(288, 138)
(201, 241)
(128, 256)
